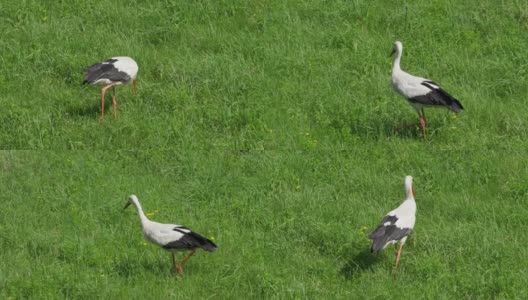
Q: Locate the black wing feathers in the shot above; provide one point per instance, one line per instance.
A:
(191, 240)
(386, 233)
(104, 70)
(437, 96)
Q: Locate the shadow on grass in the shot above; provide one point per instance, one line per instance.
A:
(359, 263)
(129, 268)
(378, 128)
(92, 111)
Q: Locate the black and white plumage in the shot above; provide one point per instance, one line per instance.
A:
(420, 92)
(397, 224)
(112, 72)
(171, 237)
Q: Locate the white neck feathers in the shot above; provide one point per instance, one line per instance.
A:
(139, 210)
(409, 190)
(396, 65)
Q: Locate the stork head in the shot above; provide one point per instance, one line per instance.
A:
(132, 199)
(409, 188)
(396, 48)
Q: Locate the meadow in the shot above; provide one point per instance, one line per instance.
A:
(267, 126)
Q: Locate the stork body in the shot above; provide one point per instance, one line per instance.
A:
(397, 224)
(111, 73)
(420, 92)
(171, 237)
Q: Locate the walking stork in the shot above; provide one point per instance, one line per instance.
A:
(397, 224)
(420, 92)
(171, 237)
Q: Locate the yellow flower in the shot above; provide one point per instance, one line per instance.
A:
(144, 244)
(363, 230)
(150, 214)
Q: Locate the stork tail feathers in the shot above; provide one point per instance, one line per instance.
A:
(209, 246)
(203, 242)
(453, 104)
(378, 239)
(377, 245)
(456, 106)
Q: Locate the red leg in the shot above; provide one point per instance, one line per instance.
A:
(135, 87)
(115, 103)
(103, 92)
(180, 265)
(397, 259)
(423, 124)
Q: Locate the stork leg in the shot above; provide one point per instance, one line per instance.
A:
(103, 92)
(135, 87)
(423, 122)
(397, 259)
(175, 268)
(114, 102)
(180, 265)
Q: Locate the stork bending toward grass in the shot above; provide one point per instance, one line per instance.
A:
(420, 92)
(397, 224)
(112, 72)
(171, 237)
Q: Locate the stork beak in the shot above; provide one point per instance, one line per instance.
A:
(126, 205)
(413, 192)
(393, 51)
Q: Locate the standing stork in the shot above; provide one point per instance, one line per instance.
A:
(397, 224)
(171, 237)
(112, 72)
(419, 91)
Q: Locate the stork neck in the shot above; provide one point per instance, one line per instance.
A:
(140, 212)
(410, 197)
(409, 189)
(396, 65)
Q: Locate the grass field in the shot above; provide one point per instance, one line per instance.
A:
(268, 126)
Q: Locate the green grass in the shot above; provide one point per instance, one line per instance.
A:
(258, 75)
(287, 224)
(267, 125)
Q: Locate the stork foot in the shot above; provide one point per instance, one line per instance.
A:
(177, 270)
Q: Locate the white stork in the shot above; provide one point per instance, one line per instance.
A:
(171, 237)
(112, 72)
(397, 224)
(419, 91)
